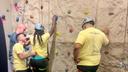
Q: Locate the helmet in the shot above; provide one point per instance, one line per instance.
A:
(86, 20)
(39, 26)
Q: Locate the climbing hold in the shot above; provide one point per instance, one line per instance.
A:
(7, 10)
(58, 34)
(15, 4)
(106, 52)
(71, 30)
(86, 13)
(69, 12)
(3, 17)
(17, 19)
(111, 13)
(31, 17)
(26, 1)
(41, 7)
(69, 53)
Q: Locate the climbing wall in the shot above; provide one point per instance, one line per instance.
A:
(113, 14)
(110, 14)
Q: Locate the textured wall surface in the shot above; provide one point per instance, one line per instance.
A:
(111, 14)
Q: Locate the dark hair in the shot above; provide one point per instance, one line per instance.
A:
(38, 34)
(91, 22)
(17, 35)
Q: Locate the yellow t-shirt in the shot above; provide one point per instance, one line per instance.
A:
(19, 64)
(92, 40)
(40, 50)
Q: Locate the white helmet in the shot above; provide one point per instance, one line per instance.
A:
(87, 19)
(39, 26)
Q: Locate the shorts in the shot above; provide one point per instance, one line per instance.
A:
(87, 68)
(28, 70)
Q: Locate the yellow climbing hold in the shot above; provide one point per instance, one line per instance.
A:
(86, 12)
(58, 34)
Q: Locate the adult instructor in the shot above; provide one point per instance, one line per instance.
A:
(88, 45)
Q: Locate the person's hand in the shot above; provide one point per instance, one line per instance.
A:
(27, 42)
(55, 18)
(33, 53)
(77, 60)
(105, 30)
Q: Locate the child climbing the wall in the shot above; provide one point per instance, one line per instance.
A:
(20, 55)
(39, 42)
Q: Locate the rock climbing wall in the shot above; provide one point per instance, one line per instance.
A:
(111, 14)
(5, 15)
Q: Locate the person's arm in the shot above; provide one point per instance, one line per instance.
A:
(53, 28)
(77, 47)
(105, 40)
(78, 44)
(24, 55)
(105, 31)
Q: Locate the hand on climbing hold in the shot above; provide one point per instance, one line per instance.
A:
(55, 18)
(104, 29)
